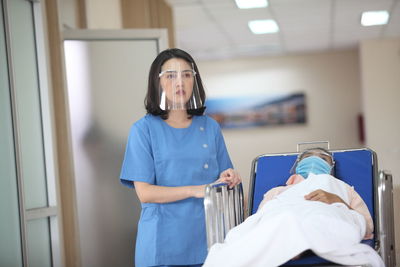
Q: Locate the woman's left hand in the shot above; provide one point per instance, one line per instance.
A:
(231, 177)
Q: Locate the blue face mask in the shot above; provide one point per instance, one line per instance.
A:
(314, 165)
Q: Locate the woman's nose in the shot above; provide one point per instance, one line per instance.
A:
(179, 81)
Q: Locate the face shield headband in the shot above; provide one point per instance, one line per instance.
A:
(178, 87)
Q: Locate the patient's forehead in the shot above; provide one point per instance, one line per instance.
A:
(318, 153)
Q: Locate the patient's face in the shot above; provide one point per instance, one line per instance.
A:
(319, 154)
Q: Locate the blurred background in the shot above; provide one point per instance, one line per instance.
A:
(74, 80)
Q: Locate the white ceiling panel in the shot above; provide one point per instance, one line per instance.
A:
(301, 41)
(393, 28)
(176, 3)
(186, 17)
(300, 10)
(211, 29)
(219, 4)
(236, 13)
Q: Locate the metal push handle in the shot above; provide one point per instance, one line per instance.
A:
(312, 143)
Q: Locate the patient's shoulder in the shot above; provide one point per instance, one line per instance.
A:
(294, 179)
(270, 194)
(275, 191)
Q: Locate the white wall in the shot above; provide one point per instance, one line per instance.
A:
(68, 16)
(330, 82)
(100, 14)
(103, 14)
(380, 65)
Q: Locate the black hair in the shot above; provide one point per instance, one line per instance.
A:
(151, 101)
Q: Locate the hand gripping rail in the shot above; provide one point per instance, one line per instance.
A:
(223, 209)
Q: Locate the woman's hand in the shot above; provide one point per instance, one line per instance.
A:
(231, 177)
(323, 196)
(149, 193)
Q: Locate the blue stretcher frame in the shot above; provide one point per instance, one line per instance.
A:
(356, 167)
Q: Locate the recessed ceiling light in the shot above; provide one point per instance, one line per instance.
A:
(245, 4)
(371, 18)
(263, 26)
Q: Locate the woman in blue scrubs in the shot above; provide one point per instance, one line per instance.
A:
(171, 154)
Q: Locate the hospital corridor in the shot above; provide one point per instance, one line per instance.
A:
(199, 133)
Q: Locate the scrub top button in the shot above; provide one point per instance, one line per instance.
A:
(205, 145)
(201, 128)
(206, 166)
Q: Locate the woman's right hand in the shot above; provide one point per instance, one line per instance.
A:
(231, 177)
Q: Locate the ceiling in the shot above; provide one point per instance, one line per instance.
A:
(217, 29)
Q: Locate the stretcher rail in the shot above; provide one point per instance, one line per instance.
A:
(223, 209)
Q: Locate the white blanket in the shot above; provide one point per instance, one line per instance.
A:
(289, 225)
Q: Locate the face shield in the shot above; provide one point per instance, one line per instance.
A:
(326, 156)
(178, 88)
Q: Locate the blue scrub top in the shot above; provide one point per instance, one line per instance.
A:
(156, 153)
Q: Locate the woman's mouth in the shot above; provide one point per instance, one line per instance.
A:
(180, 92)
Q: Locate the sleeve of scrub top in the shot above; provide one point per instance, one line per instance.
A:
(224, 161)
(138, 164)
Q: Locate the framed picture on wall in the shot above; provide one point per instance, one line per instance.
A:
(259, 110)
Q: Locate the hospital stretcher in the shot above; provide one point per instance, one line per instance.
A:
(358, 167)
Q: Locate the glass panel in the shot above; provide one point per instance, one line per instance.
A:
(38, 240)
(10, 241)
(28, 103)
(106, 80)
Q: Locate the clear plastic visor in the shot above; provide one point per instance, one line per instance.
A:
(178, 88)
(308, 153)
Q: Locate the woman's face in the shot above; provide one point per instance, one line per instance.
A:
(176, 80)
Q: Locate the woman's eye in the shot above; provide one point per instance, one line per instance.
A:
(171, 76)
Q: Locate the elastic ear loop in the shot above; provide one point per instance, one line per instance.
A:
(333, 166)
(293, 169)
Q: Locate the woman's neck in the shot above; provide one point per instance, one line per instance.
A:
(178, 119)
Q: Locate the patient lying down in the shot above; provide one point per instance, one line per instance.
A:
(315, 211)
